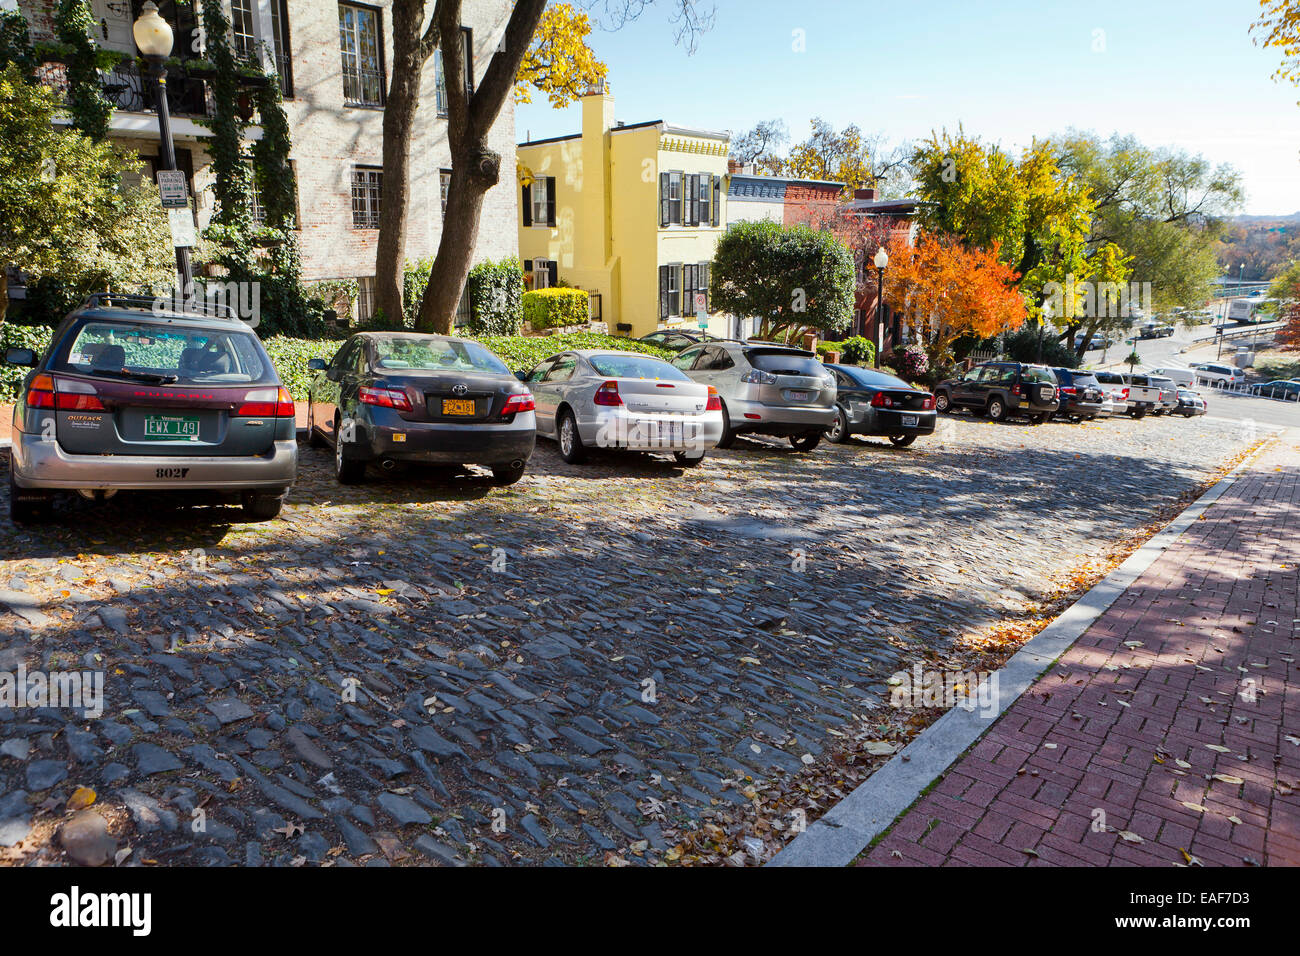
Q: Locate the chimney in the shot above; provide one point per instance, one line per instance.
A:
(733, 165)
(869, 193)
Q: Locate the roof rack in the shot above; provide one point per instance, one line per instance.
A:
(195, 305)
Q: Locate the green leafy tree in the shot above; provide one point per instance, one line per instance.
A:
(63, 210)
(15, 41)
(791, 279)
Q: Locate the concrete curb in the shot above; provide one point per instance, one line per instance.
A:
(838, 837)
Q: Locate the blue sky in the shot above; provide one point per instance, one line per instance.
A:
(1181, 74)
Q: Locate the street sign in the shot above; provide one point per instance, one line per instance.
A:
(184, 234)
(173, 190)
(701, 316)
(699, 302)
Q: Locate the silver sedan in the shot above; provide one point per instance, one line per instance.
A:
(601, 399)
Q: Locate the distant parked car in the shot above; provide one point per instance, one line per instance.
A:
(1190, 403)
(1115, 391)
(868, 402)
(592, 398)
(766, 389)
(1098, 341)
(1079, 393)
(393, 398)
(677, 339)
(1183, 377)
(1278, 388)
(1218, 374)
(1001, 389)
(1143, 395)
(1155, 330)
(134, 397)
(1168, 393)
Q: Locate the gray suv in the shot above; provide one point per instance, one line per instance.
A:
(134, 396)
(766, 389)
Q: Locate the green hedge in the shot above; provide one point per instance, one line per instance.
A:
(495, 293)
(555, 308)
(19, 337)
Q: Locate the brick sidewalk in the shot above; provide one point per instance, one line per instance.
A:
(1216, 617)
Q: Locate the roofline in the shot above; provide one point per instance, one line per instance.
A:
(664, 128)
(702, 133)
(788, 180)
(550, 139)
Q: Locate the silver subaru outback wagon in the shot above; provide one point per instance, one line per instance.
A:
(130, 396)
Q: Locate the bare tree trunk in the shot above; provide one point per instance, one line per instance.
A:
(4, 293)
(411, 51)
(475, 168)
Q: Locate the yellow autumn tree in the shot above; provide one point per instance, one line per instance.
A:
(1279, 28)
(559, 62)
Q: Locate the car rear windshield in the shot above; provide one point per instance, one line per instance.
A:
(433, 354)
(874, 379)
(785, 363)
(635, 366)
(1110, 378)
(1085, 378)
(173, 353)
(1033, 373)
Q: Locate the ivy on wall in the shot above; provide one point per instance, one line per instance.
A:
(89, 108)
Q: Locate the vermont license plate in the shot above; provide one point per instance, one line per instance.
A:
(909, 421)
(171, 427)
(458, 406)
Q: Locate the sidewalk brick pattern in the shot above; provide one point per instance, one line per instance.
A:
(1199, 653)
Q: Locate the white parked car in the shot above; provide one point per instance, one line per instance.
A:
(1183, 377)
(1216, 373)
(1115, 390)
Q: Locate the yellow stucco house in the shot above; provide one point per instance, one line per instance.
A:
(630, 213)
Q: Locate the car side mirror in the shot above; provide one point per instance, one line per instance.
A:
(26, 357)
(522, 376)
(317, 365)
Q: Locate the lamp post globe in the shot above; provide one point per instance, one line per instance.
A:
(881, 262)
(153, 34)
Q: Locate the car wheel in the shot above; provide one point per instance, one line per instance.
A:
(571, 448)
(1139, 413)
(942, 403)
(1040, 418)
(687, 461)
(839, 430)
(728, 434)
(806, 442)
(996, 410)
(262, 507)
(507, 474)
(35, 507)
(346, 470)
(902, 441)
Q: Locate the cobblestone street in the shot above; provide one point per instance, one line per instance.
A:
(430, 668)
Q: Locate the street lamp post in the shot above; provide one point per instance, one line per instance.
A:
(882, 263)
(153, 38)
(1047, 314)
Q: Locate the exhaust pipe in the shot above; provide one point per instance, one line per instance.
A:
(517, 463)
(388, 464)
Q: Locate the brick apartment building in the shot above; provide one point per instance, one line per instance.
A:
(332, 59)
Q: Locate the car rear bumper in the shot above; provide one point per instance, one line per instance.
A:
(472, 443)
(621, 428)
(1083, 409)
(41, 463)
(779, 419)
(867, 420)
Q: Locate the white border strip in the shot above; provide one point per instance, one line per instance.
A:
(837, 838)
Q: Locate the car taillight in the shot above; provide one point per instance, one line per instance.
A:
(881, 400)
(1068, 390)
(268, 403)
(40, 394)
(607, 394)
(1015, 390)
(1124, 394)
(384, 398)
(927, 403)
(715, 401)
(519, 402)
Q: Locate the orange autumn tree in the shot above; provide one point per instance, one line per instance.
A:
(945, 290)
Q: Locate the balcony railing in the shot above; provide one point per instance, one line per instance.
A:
(363, 87)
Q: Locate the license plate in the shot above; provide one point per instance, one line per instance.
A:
(458, 406)
(909, 421)
(671, 432)
(798, 396)
(171, 427)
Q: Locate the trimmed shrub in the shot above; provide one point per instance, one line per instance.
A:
(911, 360)
(290, 356)
(19, 337)
(522, 352)
(555, 308)
(858, 350)
(496, 290)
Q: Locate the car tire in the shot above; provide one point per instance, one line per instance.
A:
(686, 461)
(572, 450)
(347, 470)
(806, 442)
(262, 507)
(902, 441)
(838, 433)
(38, 507)
(997, 410)
(1040, 418)
(942, 403)
(507, 474)
(1139, 413)
(728, 433)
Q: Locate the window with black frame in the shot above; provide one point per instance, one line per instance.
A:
(361, 45)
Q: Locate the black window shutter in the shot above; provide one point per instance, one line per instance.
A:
(688, 286)
(663, 203)
(663, 291)
(552, 272)
(704, 283)
(691, 213)
(528, 205)
(550, 200)
(528, 265)
(717, 199)
(676, 307)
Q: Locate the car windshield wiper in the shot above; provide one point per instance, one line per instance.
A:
(153, 377)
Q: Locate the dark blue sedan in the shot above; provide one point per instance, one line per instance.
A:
(869, 402)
